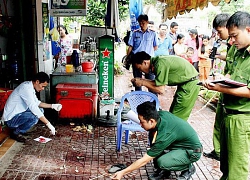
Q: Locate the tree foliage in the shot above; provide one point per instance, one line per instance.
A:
(96, 13)
(231, 7)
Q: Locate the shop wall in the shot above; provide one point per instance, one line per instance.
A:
(10, 12)
(18, 42)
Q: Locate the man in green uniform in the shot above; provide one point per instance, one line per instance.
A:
(219, 24)
(174, 144)
(173, 71)
(235, 125)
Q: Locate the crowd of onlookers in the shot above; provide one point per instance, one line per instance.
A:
(161, 57)
(201, 50)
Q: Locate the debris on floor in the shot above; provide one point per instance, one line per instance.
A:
(84, 128)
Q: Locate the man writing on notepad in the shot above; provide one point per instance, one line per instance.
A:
(235, 123)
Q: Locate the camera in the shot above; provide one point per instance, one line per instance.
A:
(213, 53)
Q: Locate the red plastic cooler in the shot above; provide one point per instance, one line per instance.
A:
(78, 100)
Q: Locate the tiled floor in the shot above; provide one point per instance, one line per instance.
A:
(85, 156)
(77, 155)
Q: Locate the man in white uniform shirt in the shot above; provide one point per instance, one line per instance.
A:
(23, 109)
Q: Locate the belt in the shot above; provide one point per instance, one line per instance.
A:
(194, 78)
(198, 150)
(230, 111)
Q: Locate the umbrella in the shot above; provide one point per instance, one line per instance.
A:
(112, 16)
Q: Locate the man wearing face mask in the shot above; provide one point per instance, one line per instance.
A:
(23, 109)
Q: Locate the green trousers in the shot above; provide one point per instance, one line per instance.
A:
(217, 127)
(235, 146)
(176, 160)
(184, 99)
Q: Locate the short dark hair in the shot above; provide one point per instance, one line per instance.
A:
(148, 110)
(41, 77)
(63, 27)
(173, 24)
(190, 49)
(142, 17)
(239, 19)
(139, 57)
(220, 20)
(162, 24)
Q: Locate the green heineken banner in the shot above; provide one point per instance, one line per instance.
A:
(106, 65)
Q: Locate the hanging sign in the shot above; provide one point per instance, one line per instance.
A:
(106, 65)
(68, 7)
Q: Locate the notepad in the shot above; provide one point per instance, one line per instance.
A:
(133, 116)
(227, 82)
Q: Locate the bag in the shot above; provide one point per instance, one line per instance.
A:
(54, 34)
(127, 60)
(55, 47)
(126, 38)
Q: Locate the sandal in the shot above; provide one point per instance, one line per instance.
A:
(117, 167)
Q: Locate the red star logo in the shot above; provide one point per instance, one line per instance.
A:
(106, 53)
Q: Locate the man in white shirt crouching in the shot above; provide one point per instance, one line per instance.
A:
(23, 109)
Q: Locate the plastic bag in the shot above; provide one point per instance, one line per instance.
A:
(54, 34)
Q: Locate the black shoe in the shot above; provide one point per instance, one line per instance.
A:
(26, 134)
(126, 62)
(159, 174)
(186, 175)
(212, 155)
(17, 137)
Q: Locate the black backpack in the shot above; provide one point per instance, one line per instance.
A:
(126, 38)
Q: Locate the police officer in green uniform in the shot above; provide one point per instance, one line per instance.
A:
(219, 24)
(172, 71)
(215, 154)
(235, 125)
(174, 144)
